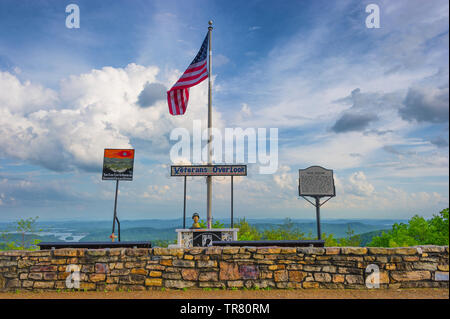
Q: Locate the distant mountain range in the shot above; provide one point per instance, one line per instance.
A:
(157, 230)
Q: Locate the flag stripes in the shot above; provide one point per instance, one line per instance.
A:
(178, 95)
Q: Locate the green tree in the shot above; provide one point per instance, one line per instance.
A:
(286, 231)
(439, 228)
(26, 228)
(418, 231)
(246, 231)
(215, 224)
(351, 239)
(330, 241)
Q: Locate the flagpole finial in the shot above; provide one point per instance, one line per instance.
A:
(210, 24)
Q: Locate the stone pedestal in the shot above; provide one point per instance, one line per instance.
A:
(204, 237)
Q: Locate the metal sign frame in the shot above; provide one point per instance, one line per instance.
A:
(324, 170)
(117, 178)
(317, 197)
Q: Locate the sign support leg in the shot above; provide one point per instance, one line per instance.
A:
(115, 210)
(184, 209)
(318, 217)
(232, 203)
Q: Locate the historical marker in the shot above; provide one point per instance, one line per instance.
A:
(316, 181)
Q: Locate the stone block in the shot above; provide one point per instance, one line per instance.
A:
(288, 250)
(171, 275)
(35, 276)
(65, 252)
(281, 275)
(354, 279)
(166, 262)
(179, 284)
(44, 268)
(405, 251)
(50, 276)
(380, 251)
(443, 267)
(230, 250)
(425, 266)
(154, 273)
(229, 271)
(410, 275)
(338, 278)
(206, 263)
(213, 250)
(43, 284)
(332, 250)
(235, 284)
(189, 274)
(97, 277)
(322, 277)
(296, 276)
(208, 276)
(138, 271)
(96, 252)
(310, 285)
(268, 250)
(207, 284)
(353, 250)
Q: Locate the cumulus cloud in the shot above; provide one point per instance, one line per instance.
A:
(69, 129)
(358, 185)
(426, 105)
(284, 178)
(24, 97)
(151, 93)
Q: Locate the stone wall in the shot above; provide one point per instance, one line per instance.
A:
(224, 267)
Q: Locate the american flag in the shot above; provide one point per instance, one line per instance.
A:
(178, 95)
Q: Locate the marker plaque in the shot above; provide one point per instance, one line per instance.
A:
(316, 181)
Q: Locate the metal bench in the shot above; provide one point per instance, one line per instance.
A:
(95, 244)
(269, 243)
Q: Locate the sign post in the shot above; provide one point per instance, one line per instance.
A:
(117, 165)
(316, 182)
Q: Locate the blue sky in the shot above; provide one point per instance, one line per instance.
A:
(371, 104)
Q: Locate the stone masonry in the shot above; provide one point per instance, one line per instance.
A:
(224, 267)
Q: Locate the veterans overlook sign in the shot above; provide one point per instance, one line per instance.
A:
(208, 170)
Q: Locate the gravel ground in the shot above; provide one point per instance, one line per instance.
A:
(423, 293)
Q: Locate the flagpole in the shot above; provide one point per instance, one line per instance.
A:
(209, 178)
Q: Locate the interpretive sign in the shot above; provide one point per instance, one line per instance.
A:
(316, 181)
(208, 170)
(118, 164)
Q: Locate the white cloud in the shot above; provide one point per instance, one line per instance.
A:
(284, 178)
(358, 185)
(70, 128)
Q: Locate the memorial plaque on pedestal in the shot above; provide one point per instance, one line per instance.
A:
(316, 181)
(206, 238)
